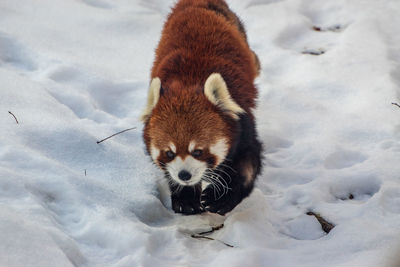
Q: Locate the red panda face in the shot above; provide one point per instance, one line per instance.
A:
(188, 131)
(186, 136)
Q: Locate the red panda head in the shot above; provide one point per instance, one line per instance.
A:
(190, 130)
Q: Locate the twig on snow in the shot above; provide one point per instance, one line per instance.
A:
(314, 52)
(326, 226)
(98, 142)
(210, 238)
(14, 117)
(334, 28)
(316, 28)
(396, 104)
(213, 229)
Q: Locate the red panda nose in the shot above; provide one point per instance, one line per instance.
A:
(184, 175)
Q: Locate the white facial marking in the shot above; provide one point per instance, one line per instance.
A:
(172, 147)
(154, 152)
(220, 150)
(192, 145)
(195, 167)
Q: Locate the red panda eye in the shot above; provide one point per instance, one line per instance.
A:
(197, 153)
(170, 154)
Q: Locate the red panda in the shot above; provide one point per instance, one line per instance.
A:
(199, 125)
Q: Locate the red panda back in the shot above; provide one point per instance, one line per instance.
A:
(201, 37)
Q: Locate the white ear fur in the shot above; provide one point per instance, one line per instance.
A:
(217, 92)
(152, 98)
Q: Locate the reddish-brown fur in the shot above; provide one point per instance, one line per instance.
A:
(197, 41)
(200, 37)
(182, 118)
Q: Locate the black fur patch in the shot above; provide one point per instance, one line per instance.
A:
(186, 199)
(219, 10)
(248, 150)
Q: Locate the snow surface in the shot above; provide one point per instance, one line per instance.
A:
(76, 71)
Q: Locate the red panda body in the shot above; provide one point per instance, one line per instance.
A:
(197, 41)
(199, 125)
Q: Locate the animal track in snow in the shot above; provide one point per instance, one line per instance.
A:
(355, 187)
(303, 40)
(312, 41)
(314, 31)
(274, 143)
(303, 228)
(342, 158)
(64, 74)
(14, 54)
(116, 98)
(325, 15)
(81, 105)
(93, 97)
(54, 200)
(321, 51)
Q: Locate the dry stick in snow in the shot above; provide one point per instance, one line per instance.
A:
(210, 238)
(314, 52)
(396, 104)
(14, 117)
(215, 228)
(98, 142)
(326, 226)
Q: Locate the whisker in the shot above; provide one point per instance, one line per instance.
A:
(214, 187)
(227, 174)
(227, 166)
(219, 180)
(213, 181)
(216, 174)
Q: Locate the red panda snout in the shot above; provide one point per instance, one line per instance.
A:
(191, 165)
(188, 171)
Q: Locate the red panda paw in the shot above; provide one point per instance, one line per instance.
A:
(186, 206)
(214, 203)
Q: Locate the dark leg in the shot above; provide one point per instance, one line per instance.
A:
(238, 172)
(186, 199)
(220, 200)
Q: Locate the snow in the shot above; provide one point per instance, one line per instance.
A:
(74, 72)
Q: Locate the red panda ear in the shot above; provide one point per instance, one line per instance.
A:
(152, 98)
(217, 93)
